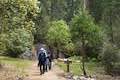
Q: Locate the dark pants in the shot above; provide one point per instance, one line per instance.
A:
(46, 64)
(50, 64)
(42, 67)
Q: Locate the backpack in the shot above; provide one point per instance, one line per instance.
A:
(42, 57)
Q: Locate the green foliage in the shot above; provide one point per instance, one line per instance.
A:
(59, 35)
(17, 25)
(107, 12)
(41, 27)
(54, 10)
(41, 21)
(72, 8)
(85, 34)
(17, 14)
(69, 48)
(111, 59)
(60, 9)
(85, 31)
(3, 40)
(18, 42)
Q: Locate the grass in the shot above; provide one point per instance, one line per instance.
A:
(19, 64)
(75, 67)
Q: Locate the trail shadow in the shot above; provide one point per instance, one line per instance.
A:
(61, 74)
(35, 74)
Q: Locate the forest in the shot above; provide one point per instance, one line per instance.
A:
(86, 30)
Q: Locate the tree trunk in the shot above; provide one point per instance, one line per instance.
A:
(84, 5)
(111, 27)
(83, 60)
(51, 51)
(58, 52)
(88, 4)
(57, 49)
(83, 66)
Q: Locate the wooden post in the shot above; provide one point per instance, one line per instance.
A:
(68, 67)
(0, 65)
(67, 62)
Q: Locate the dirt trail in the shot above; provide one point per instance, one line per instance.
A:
(54, 74)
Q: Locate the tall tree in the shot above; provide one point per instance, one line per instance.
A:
(16, 24)
(107, 13)
(58, 35)
(42, 20)
(85, 34)
(17, 14)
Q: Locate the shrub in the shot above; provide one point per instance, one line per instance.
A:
(2, 43)
(111, 59)
(59, 36)
(18, 42)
